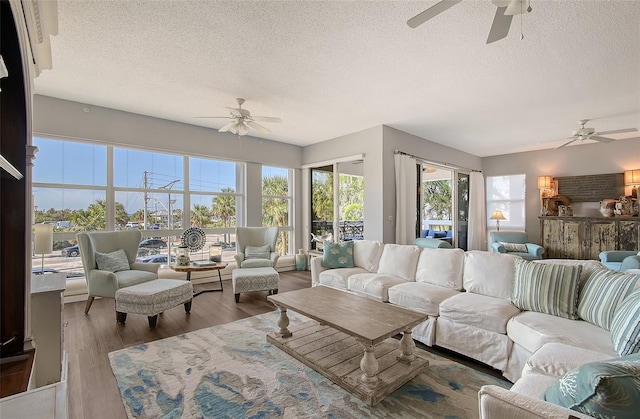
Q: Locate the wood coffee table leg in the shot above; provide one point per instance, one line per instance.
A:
(369, 367)
(283, 323)
(407, 348)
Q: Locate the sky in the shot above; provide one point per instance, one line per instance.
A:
(81, 164)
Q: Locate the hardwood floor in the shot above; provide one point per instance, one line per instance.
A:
(93, 392)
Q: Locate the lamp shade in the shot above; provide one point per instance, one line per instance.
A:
(632, 177)
(497, 215)
(43, 243)
(544, 182)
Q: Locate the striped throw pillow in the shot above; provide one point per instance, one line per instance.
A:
(625, 325)
(602, 295)
(549, 289)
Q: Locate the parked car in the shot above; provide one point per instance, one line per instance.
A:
(47, 270)
(155, 259)
(71, 251)
(153, 243)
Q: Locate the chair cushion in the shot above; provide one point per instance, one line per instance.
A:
(489, 273)
(603, 293)
(420, 296)
(514, 247)
(399, 260)
(373, 285)
(551, 289)
(366, 254)
(113, 262)
(481, 311)
(605, 389)
(133, 277)
(337, 255)
(556, 359)
(625, 325)
(441, 267)
(257, 252)
(256, 263)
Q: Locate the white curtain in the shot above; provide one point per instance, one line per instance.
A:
(477, 229)
(406, 195)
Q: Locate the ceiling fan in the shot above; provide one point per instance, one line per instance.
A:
(242, 120)
(506, 9)
(591, 134)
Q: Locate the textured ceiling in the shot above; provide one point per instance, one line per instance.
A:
(330, 68)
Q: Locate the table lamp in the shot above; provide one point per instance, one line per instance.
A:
(43, 243)
(632, 178)
(497, 215)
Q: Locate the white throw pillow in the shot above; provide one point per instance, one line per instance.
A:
(441, 267)
(257, 252)
(113, 262)
(489, 273)
(366, 254)
(399, 260)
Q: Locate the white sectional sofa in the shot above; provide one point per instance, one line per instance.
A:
(468, 298)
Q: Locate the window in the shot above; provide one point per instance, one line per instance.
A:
(507, 194)
(277, 204)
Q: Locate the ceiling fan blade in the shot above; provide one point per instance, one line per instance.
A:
(267, 119)
(258, 127)
(431, 12)
(227, 127)
(617, 131)
(500, 26)
(601, 139)
(566, 144)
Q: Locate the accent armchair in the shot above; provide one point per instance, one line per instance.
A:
(103, 282)
(515, 243)
(256, 247)
(620, 260)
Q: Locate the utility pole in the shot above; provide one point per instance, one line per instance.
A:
(144, 213)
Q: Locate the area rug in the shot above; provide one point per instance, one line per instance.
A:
(230, 371)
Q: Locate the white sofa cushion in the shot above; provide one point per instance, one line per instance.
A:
(399, 260)
(533, 385)
(489, 273)
(481, 311)
(556, 359)
(338, 278)
(422, 297)
(373, 285)
(441, 267)
(531, 330)
(366, 254)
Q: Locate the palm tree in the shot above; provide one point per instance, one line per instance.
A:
(224, 207)
(437, 199)
(200, 215)
(275, 211)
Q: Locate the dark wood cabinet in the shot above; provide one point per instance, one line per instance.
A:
(586, 237)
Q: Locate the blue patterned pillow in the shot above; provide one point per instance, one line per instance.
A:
(625, 325)
(337, 255)
(603, 292)
(607, 389)
(546, 288)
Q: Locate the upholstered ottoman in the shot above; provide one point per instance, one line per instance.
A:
(254, 279)
(152, 298)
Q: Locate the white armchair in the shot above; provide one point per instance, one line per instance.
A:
(256, 247)
(103, 283)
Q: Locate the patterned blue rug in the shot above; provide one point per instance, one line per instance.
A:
(230, 371)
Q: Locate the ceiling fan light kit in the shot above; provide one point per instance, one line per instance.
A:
(242, 121)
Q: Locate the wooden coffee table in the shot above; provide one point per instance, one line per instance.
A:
(346, 325)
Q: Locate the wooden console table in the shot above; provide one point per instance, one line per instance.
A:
(586, 237)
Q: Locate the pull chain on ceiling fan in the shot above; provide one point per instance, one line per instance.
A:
(242, 120)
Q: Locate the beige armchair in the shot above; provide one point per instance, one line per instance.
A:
(256, 247)
(103, 283)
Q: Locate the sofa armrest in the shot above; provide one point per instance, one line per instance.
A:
(615, 255)
(498, 248)
(630, 262)
(316, 268)
(498, 403)
(149, 267)
(535, 249)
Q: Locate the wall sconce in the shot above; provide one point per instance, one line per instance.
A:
(632, 178)
(497, 215)
(43, 242)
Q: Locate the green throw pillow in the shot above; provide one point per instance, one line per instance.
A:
(625, 325)
(603, 292)
(546, 288)
(514, 247)
(608, 389)
(337, 255)
(113, 262)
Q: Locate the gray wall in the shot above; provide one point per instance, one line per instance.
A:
(586, 159)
